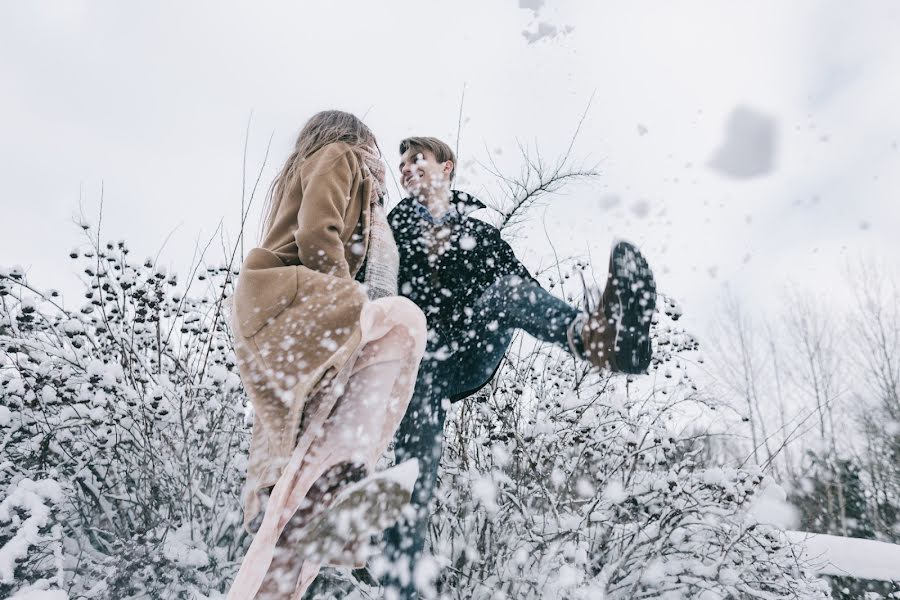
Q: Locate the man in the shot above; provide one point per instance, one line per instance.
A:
(475, 293)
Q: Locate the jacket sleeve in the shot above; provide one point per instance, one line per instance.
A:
(507, 262)
(326, 180)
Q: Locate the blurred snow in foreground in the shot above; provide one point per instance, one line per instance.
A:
(748, 149)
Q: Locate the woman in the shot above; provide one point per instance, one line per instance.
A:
(329, 364)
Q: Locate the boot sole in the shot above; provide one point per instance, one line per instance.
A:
(632, 308)
(360, 511)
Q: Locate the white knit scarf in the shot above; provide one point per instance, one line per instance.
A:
(382, 258)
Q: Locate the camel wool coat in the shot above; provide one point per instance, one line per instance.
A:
(296, 306)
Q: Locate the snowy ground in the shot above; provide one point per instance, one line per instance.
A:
(854, 557)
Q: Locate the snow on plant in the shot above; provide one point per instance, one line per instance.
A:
(31, 497)
(123, 432)
(563, 484)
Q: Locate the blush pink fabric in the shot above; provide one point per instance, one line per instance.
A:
(352, 419)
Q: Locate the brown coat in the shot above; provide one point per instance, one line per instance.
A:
(296, 305)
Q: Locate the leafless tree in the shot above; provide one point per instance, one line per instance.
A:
(875, 351)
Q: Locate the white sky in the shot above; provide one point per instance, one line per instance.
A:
(152, 100)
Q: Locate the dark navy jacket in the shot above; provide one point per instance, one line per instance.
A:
(445, 286)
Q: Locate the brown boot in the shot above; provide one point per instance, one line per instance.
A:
(615, 334)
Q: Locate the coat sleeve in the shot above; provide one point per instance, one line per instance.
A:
(326, 181)
(507, 262)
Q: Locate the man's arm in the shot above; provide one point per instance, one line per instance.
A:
(507, 263)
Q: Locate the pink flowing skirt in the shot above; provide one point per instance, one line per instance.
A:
(353, 419)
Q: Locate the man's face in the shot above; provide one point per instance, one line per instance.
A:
(420, 172)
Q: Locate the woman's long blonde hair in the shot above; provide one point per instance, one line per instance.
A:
(323, 128)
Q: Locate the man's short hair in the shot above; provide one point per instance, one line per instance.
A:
(442, 152)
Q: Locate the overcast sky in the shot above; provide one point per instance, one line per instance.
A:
(748, 144)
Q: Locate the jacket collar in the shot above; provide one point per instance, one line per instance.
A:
(461, 205)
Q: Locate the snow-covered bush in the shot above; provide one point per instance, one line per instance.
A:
(122, 433)
(562, 484)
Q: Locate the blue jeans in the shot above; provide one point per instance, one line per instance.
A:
(510, 303)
